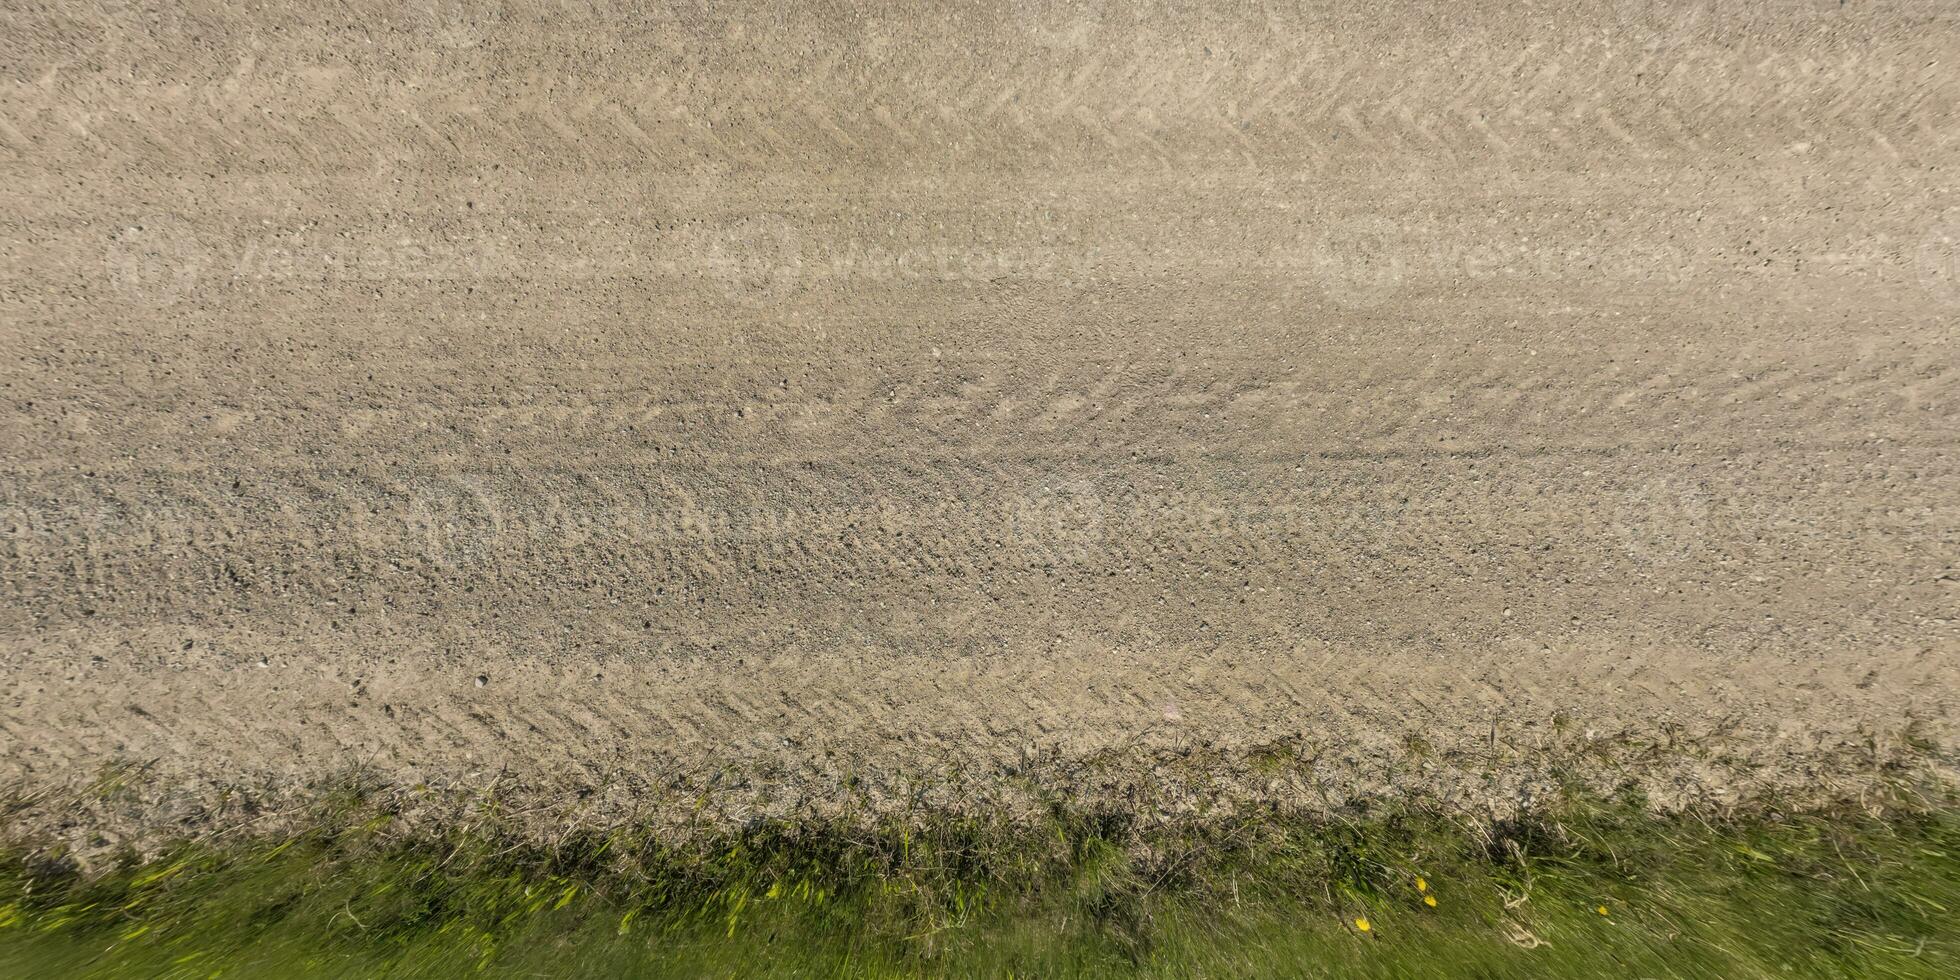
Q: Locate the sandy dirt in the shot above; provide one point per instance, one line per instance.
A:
(563, 389)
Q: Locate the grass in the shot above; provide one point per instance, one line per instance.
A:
(1581, 887)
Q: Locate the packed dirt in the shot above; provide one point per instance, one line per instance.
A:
(562, 391)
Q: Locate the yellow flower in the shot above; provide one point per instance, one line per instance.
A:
(1429, 900)
(1421, 885)
(1361, 923)
(1601, 910)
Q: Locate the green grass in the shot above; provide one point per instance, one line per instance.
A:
(1080, 893)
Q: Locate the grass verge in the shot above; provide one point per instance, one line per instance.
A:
(1579, 887)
